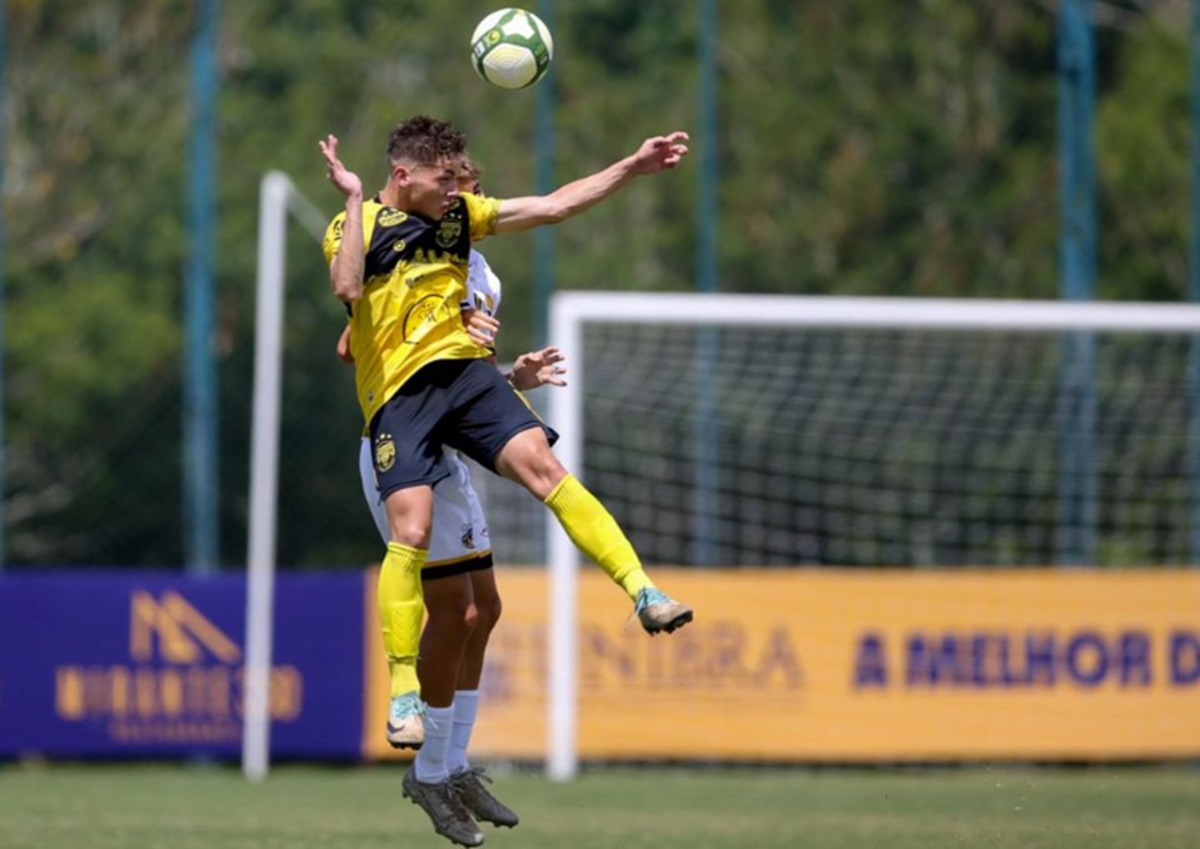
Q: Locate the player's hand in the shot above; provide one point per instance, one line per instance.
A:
(343, 347)
(346, 181)
(538, 368)
(661, 153)
(481, 327)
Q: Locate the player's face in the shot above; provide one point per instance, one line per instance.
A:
(432, 188)
(469, 186)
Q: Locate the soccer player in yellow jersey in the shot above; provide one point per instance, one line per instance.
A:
(400, 260)
(458, 581)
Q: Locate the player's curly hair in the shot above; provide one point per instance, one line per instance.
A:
(425, 140)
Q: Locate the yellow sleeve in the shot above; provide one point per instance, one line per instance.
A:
(482, 213)
(333, 236)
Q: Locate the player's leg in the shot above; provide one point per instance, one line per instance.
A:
(402, 609)
(487, 614)
(406, 463)
(405, 728)
(498, 429)
(528, 459)
(455, 640)
(451, 610)
(469, 780)
(456, 547)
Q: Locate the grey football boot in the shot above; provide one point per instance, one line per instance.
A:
(445, 808)
(479, 800)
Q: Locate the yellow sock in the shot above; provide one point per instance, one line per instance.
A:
(596, 533)
(401, 611)
(404, 676)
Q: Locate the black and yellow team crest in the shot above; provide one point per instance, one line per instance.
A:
(468, 536)
(385, 452)
(449, 232)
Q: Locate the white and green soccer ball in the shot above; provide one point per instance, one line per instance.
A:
(512, 48)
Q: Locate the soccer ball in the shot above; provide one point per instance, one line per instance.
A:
(511, 48)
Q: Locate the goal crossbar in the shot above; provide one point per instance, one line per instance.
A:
(868, 312)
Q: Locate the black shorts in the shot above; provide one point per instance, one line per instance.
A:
(463, 404)
(478, 563)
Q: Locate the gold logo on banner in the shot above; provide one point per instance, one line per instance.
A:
(183, 684)
(183, 632)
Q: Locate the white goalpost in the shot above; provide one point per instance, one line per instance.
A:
(871, 431)
(277, 198)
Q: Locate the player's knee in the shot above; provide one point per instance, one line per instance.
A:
(488, 614)
(470, 618)
(414, 534)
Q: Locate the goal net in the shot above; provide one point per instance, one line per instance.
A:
(805, 431)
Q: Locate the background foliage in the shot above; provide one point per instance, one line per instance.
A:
(866, 147)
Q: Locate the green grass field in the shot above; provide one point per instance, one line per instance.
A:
(143, 807)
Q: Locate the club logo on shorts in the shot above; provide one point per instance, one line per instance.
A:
(448, 232)
(385, 452)
(468, 536)
(391, 217)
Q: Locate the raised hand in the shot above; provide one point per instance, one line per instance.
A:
(661, 153)
(538, 368)
(346, 181)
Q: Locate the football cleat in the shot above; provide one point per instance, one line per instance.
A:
(657, 611)
(406, 722)
(479, 800)
(440, 800)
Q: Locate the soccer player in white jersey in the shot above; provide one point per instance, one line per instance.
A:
(461, 597)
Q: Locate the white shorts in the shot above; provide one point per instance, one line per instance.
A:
(459, 541)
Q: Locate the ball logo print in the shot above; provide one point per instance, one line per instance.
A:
(511, 48)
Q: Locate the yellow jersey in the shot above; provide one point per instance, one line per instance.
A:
(414, 287)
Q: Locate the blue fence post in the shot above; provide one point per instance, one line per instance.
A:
(543, 237)
(3, 262)
(706, 428)
(1194, 287)
(1077, 255)
(200, 462)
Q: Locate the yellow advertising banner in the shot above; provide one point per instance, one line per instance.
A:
(840, 665)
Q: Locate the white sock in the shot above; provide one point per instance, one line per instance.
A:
(466, 706)
(430, 766)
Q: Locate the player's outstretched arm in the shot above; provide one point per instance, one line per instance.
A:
(346, 270)
(657, 154)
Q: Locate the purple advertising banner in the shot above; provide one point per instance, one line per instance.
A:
(115, 664)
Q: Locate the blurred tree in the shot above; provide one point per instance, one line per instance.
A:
(867, 147)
